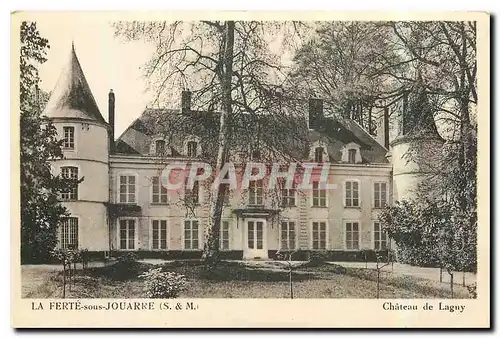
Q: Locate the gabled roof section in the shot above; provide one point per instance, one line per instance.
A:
(371, 150)
(71, 97)
(335, 133)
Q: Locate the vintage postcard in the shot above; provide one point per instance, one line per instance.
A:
(250, 169)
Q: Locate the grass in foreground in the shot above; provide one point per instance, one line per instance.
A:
(235, 280)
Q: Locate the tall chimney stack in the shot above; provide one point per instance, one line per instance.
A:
(315, 111)
(383, 128)
(111, 120)
(185, 101)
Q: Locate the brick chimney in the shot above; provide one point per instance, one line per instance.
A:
(185, 101)
(111, 120)
(383, 128)
(315, 111)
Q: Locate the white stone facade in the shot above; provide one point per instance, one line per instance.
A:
(121, 214)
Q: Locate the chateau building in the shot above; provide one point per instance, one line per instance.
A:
(122, 205)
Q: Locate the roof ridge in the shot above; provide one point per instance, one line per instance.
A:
(367, 133)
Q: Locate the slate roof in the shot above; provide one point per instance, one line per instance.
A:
(71, 97)
(286, 134)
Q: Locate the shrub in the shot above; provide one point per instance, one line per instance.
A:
(127, 258)
(286, 255)
(127, 266)
(74, 255)
(67, 256)
(161, 284)
(318, 257)
(472, 290)
(59, 255)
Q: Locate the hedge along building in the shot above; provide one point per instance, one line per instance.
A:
(121, 205)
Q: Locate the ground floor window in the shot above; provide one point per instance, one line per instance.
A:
(352, 235)
(127, 234)
(69, 233)
(319, 235)
(379, 237)
(191, 237)
(224, 235)
(159, 234)
(287, 235)
(255, 235)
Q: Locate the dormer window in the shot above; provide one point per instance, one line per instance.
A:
(192, 149)
(318, 154)
(352, 155)
(160, 147)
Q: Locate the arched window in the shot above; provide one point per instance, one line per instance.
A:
(192, 149)
(318, 154)
(160, 147)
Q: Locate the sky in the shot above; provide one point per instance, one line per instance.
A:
(108, 62)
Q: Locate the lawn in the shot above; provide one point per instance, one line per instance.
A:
(233, 280)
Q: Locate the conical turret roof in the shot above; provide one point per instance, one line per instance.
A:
(419, 119)
(71, 97)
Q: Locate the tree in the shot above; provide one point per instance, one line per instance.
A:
(41, 211)
(428, 233)
(347, 64)
(379, 267)
(286, 257)
(446, 56)
(228, 66)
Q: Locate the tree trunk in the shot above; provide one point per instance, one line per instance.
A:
(211, 248)
(440, 274)
(69, 276)
(64, 280)
(370, 129)
(291, 284)
(378, 283)
(463, 278)
(451, 283)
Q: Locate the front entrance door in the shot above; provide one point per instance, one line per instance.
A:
(255, 235)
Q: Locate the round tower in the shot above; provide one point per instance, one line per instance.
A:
(85, 134)
(416, 150)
